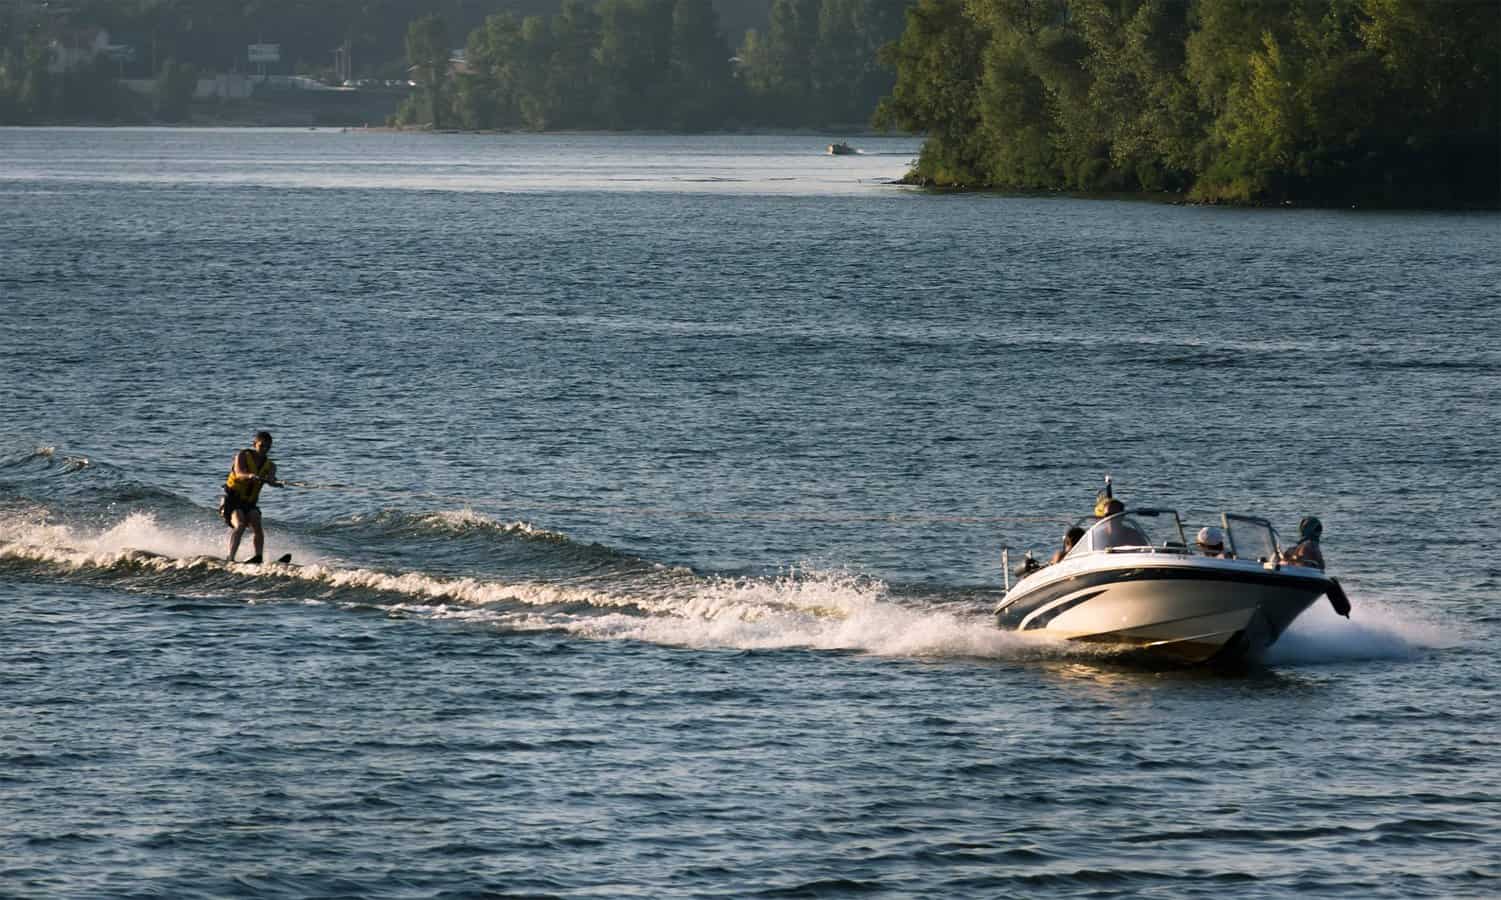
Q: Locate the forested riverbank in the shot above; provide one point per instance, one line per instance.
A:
(1305, 102)
(1322, 102)
(538, 65)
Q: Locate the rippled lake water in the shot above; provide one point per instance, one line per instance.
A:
(658, 492)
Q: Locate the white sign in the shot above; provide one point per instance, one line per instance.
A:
(265, 53)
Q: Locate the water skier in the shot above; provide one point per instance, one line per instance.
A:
(251, 470)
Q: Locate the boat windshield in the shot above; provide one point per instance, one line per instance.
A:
(1251, 537)
(1119, 530)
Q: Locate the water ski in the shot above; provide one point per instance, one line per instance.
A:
(201, 559)
(284, 559)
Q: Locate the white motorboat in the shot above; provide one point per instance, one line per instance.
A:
(1162, 599)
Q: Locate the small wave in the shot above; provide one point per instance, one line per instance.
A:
(450, 522)
(44, 455)
(46, 458)
(463, 520)
(1398, 364)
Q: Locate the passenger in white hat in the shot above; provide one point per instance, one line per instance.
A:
(1211, 542)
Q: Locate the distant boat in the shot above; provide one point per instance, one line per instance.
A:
(841, 149)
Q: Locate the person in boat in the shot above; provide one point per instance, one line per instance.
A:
(1306, 551)
(251, 470)
(1070, 538)
(1211, 542)
(1115, 530)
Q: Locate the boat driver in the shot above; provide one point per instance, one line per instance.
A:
(1115, 530)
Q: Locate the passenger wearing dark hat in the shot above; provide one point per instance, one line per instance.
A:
(1306, 552)
(1070, 538)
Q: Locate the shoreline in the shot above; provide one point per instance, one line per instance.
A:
(1184, 198)
(1165, 197)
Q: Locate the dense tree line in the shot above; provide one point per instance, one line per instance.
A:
(667, 64)
(212, 34)
(171, 40)
(30, 92)
(1307, 101)
(697, 64)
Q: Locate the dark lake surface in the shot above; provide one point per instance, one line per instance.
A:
(660, 485)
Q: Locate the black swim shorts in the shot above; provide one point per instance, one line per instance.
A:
(230, 503)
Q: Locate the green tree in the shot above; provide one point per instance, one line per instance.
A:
(489, 94)
(175, 85)
(537, 91)
(791, 38)
(572, 67)
(700, 66)
(938, 61)
(1298, 120)
(1441, 121)
(754, 73)
(428, 53)
(634, 60)
(10, 89)
(1142, 114)
(1033, 87)
(34, 97)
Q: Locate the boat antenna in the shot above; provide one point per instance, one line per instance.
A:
(1108, 491)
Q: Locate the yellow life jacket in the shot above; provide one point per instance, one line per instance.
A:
(243, 487)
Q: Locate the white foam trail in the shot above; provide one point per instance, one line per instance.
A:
(817, 610)
(36, 537)
(465, 592)
(802, 609)
(1375, 630)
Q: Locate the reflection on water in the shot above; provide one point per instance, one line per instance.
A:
(501, 163)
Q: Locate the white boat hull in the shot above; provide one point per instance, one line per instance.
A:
(1184, 609)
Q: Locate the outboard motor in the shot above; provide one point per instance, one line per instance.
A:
(1337, 598)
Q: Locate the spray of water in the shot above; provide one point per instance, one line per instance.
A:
(34, 535)
(1376, 629)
